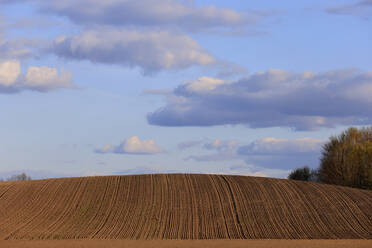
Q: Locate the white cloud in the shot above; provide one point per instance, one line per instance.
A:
(203, 84)
(151, 51)
(133, 145)
(275, 98)
(9, 72)
(42, 79)
(46, 79)
(12, 80)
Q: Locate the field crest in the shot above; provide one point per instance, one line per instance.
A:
(182, 206)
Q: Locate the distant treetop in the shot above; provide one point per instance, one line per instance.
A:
(19, 177)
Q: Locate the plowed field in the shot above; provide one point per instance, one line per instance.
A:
(180, 206)
(220, 243)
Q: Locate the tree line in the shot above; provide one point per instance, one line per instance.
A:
(345, 160)
(18, 177)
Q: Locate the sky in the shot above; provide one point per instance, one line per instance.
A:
(254, 88)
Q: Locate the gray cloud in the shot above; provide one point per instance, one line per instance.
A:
(282, 153)
(281, 147)
(224, 150)
(251, 170)
(147, 34)
(215, 157)
(2, 27)
(151, 51)
(269, 153)
(145, 170)
(19, 48)
(15, 48)
(361, 9)
(275, 98)
(165, 13)
(221, 145)
(160, 92)
(189, 144)
(217, 144)
(36, 23)
(177, 15)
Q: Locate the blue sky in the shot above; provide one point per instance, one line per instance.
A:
(236, 87)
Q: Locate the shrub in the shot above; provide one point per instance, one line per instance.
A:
(304, 174)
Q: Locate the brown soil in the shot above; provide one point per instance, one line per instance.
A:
(182, 207)
(188, 244)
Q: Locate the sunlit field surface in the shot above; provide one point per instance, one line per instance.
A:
(188, 244)
(182, 206)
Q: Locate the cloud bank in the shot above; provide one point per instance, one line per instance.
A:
(360, 9)
(12, 80)
(269, 152)
(275, 98)
(146, 34)
(14, 48)
(281, 147)
(42, 79)
(132, 145)
(274, 153)
(151, 51)
(177, 14)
